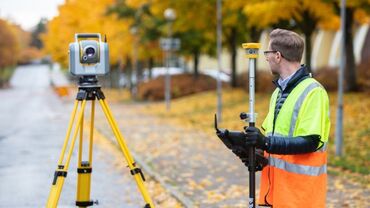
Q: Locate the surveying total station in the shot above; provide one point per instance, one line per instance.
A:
(237, 141)
(89, 58)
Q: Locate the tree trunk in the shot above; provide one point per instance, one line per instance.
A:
(255, 34)
(308, 50)
(308, 26)
(2, 79)
(350, 69)
(139, 72)
(150, 66)
(114, 76)
(129, 73)
(196, 55)
(233, 54)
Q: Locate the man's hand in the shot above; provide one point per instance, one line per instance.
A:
(242, 153)
(253, 134)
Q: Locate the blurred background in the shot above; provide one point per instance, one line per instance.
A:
(201, 50)
(134, 29)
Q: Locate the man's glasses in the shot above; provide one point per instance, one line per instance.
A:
(268, 52)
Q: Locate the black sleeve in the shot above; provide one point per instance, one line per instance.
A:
(292, 145)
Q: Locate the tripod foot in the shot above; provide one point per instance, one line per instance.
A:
(86, 203)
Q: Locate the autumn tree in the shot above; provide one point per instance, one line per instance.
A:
(301, 15)
(9, 50)
(196, 27)
(27, 52)
(86, 16)
(9, 45)
(236, 31)
(35, 34)
(357, 11)
(196, 30)
(144, 27)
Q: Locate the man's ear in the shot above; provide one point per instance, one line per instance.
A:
(278, 56)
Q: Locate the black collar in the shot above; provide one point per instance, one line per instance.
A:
(299, 76)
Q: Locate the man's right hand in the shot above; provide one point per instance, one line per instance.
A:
(243, 155)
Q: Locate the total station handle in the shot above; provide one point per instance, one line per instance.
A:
(87, 35)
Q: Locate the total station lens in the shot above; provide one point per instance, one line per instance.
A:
(90, 51)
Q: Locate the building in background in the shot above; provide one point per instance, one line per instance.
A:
(325, 51)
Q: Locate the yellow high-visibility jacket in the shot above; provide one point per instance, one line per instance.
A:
(297, 180)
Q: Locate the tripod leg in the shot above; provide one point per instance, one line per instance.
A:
(136, 172)
(73, 115)
(61, 172)
(85, 167)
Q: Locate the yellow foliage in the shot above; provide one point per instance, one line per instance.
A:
(361, 16)
(9, 44)
(333, 23)
(137, 3)
(84, 16)
(28, 54)
(265, 13)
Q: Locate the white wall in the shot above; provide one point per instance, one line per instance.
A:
(325, 52)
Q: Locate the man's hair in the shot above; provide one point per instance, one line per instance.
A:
(288, 43)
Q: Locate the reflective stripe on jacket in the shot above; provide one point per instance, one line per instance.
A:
(297, 180)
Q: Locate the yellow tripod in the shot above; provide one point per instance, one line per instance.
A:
(89, 90)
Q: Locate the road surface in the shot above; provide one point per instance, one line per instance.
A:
(33, 122)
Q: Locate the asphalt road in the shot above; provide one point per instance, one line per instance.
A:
(33, 122)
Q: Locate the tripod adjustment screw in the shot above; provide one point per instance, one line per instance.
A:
(243, 116)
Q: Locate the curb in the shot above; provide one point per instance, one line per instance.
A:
(187, 202)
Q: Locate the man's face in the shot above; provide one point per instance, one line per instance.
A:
(273, 60)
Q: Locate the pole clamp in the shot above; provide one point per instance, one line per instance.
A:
(84, 170)
(59, 173)
(136, 171)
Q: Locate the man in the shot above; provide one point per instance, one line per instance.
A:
(296, 130)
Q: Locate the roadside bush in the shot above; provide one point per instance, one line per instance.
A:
(363, 74)
(181, 85)
(328, 77)
(263, 81)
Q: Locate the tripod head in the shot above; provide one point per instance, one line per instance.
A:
(90, 81)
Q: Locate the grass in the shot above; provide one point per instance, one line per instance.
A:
(197, 112)
(5, 75)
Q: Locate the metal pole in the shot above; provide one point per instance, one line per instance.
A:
(251, 89)
(135, 69)
(252, 55)
(168, 61)
(252, 149)
(219, 51)
(170, 16)
(134, 73)
(339, 122)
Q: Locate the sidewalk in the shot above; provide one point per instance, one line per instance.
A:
(196, 168)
